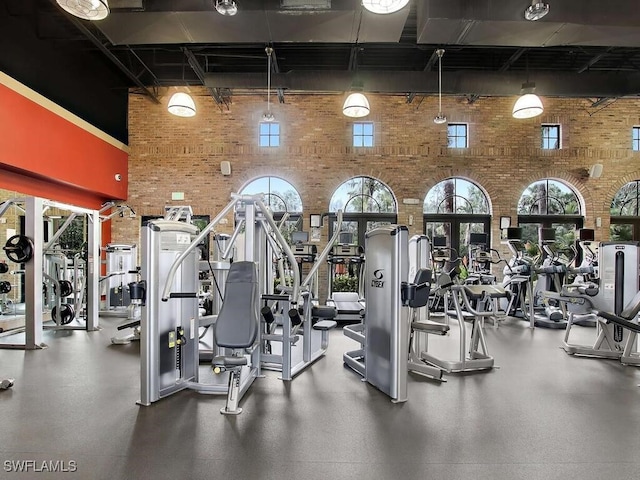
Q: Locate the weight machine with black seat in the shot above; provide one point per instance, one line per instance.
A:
(170, 315)
(420, 324)
(383, 358)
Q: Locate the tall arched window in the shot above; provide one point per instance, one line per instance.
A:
(366, 203)
(281, 197)
(455, 208)
(625, 213)
(550, 203)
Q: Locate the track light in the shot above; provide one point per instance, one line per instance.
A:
(181, 104)
(227, 7)
(384, 7)
(536, 10)
(86, 9)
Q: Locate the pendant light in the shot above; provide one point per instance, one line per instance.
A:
(86, 9)
(528, 104)
(384, 7)
(181, 105)
(356, 105)
(268, 116)
(440, 118)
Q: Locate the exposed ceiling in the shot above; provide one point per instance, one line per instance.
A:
(582, 48)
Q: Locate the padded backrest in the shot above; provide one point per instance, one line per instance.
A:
(237, 324)
(423, 282)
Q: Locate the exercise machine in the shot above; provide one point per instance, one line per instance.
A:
(517, 275)
(383, 357)
(550, 276)
(121, 270)
(349, 258)
(28, 248)
(383, 335)
(613, 292)
(170, 314)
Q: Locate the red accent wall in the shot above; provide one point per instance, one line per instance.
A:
(45, 155)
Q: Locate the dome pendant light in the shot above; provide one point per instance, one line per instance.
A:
(440, 118)
(529, 104)
(356, 106)
(181, 105)
(86, 9)
(384, 7)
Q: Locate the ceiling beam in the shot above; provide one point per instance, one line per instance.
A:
(200, 73)
(594, 60)
(556, 84)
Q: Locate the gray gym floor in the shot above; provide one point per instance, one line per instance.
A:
(541, 415)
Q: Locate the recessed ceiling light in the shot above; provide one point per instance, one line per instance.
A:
(227, 7)
(536, 10)
(384, 7)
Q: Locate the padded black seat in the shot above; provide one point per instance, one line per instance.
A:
(237, 324)
(237, 327)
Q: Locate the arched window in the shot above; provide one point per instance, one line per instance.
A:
(366, 203)
(455, 208)
(625, 214)
(550, 203)
(279, 194)
(282, 198)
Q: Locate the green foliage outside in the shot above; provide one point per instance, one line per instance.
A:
(345, 283)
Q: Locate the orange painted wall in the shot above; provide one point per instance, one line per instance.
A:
(44, 154)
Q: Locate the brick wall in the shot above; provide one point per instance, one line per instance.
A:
(171, 154)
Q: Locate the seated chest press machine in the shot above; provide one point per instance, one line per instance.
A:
(170, 314)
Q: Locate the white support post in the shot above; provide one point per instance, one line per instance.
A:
(33, 274)
(93, 270)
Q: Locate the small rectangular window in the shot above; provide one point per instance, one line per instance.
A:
(269, 134)
(635, 139)
(363, 134)
(457, 135)
(551, 137)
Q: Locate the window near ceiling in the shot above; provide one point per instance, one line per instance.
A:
(363, 134)
(635, 139)
(269, 134)
(550, 137)
(457, 135)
